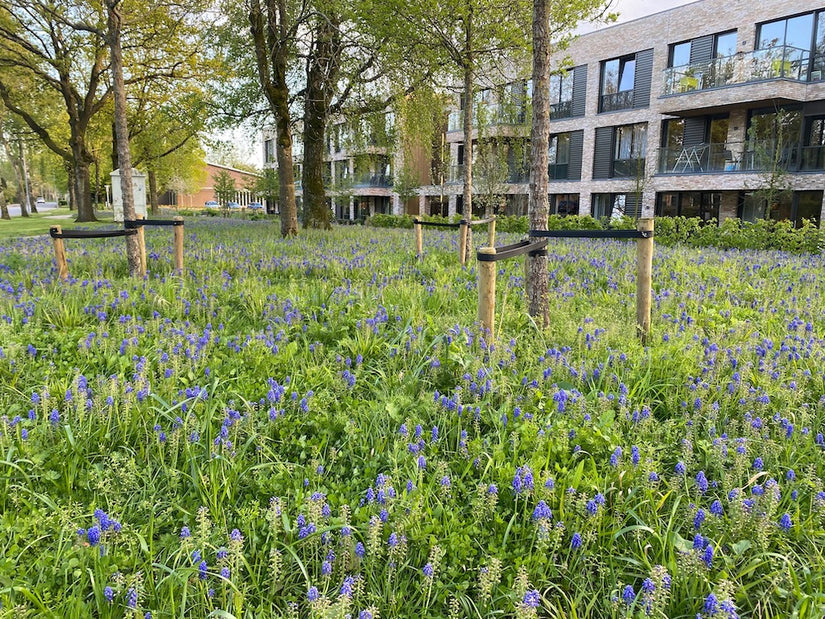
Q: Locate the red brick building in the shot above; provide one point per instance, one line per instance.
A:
(243, 196)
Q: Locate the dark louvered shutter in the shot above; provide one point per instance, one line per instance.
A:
(644, 72)
(603, 152)
(579, 90)
(574, 166)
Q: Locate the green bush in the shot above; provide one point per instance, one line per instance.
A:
(732, 233)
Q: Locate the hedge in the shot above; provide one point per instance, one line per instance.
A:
(731, 234)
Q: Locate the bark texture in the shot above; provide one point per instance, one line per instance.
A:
(133, 249)
(322, 73)
(536, 266)
(271, 36)
(469, 76)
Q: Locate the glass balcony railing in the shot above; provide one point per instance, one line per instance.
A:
(750, 156)
(372, 180)
(455, 173)
(781, 62)
(492, 115)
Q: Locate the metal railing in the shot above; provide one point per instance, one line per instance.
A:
(748, 156)
(372, 180)
(617, 101)
(781, 62)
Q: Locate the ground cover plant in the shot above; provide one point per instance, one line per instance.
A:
(315, 427)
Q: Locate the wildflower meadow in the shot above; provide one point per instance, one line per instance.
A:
(317, 427)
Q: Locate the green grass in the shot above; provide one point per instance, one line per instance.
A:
(39, 223)
(168, 403)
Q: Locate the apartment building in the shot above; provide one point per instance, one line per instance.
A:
(360, 163)
(693, 111)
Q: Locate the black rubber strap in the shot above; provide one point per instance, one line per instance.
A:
(137, 223)
(89, 234)
(438, 224)
(591, 234)
(511, 251)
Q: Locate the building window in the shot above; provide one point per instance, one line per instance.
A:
(796, 207)
(700, 63)
(813, 150)
(700, 204)
(617, 84)
(616, 205)
(773, 139)
(629, 149)
(561, 95)
(269, 151)
(795, 46)
(564, 203)
(558, 156)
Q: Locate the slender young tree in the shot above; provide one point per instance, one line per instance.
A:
(113, 35)
(553, 22)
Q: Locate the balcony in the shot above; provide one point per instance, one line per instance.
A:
(629, 168)
(491, 115)
(782, 62)
(750, 156)
(563, 109)
(616, 101)
(372, 180)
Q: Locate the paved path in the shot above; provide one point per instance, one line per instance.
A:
(14, 209)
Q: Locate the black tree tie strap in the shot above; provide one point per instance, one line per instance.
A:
(137, 223)
(535, 248)
(438, 224)
(89, 234)
(592, 234)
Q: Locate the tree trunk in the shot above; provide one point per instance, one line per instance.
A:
(322, 72)
(4, 210)
(153, 191)
(27, 186)
(272, 49)
(67, 165)
(133, 249)
(468, 118)
(82, 184)
(536, 266)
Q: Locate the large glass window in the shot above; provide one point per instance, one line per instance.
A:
(618, 82)
(630, 147)
(725, 44)
(700, 204)
(564, 203)
(773, 138)
(680, 54)
(561, 95)
(616, 205)
(813, 150)
(795, 207)
(558, 156)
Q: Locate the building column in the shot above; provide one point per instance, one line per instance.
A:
(822, 210)
(451, 206)
(396, 205)
(585, 207)
(422, 205)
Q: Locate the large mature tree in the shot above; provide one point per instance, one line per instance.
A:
(38, 47)
(553, 23)
(275, 26)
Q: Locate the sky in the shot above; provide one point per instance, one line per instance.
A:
(633, 9)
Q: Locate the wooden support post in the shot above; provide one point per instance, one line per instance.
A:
(462, 242)
(487, 291)
(419, 241)
(178, 230)
(644, 272)
(142, 247)
(60, 255)
(468, 246)
(491, 233)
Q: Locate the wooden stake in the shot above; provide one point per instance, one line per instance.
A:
(487, 290)
(644, 274)
(141, 247)
(468, 246)
(60, 255)
(462, 242)
(419, 241)
(178, 230)
(491, 233)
